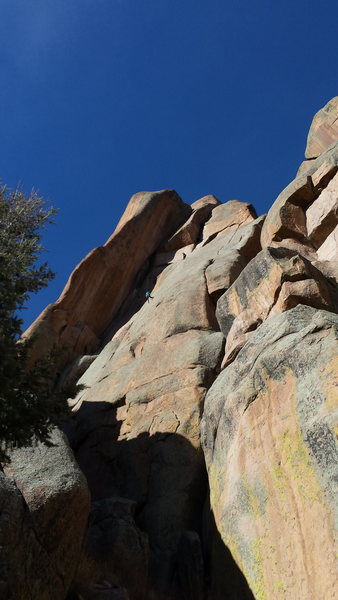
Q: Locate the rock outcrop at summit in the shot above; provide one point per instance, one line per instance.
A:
(324, 130)
(101, 282)
(205, 425)
(286, 219)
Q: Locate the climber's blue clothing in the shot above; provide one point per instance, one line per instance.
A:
(148, 295)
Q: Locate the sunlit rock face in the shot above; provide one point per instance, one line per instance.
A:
(137, 431)
(268, 436)
(276, 280)
(103, 279)
(269, 419)
(206, 341)
(323, 130)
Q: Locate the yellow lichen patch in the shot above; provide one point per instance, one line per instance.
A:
(278, 586)
(278, 477)
(298, 466)
(269, 501)
(259, 585)
(215, 486)
(295, 502)
(285, 547)
(254, 503)
(231, 541)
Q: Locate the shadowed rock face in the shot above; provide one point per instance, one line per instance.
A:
(238, 339)
(44, 507)
(113, 545)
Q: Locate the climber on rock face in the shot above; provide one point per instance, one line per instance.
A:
(148, 295)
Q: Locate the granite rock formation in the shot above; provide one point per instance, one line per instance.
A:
(204, 430)
(101, 282)
(268, 436)
(324, 130)
(43, 519)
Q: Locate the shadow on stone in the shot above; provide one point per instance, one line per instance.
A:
(149, 532)
(225, 580)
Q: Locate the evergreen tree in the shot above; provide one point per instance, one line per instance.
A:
(29, 405)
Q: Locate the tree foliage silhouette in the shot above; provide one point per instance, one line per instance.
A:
(29, 404)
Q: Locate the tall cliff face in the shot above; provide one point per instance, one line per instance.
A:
(205, 428)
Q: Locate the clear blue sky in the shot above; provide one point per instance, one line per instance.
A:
(103, 98)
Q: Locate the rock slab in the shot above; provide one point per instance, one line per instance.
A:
(268, 432)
